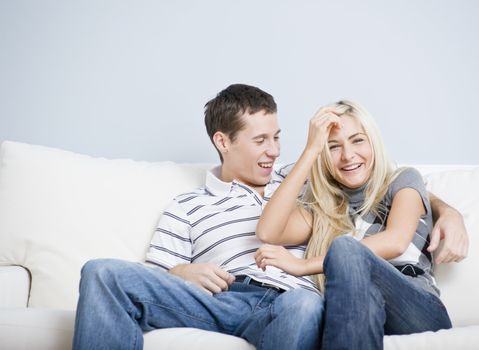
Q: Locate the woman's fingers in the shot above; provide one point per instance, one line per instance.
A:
(319, 128)
(264, 255)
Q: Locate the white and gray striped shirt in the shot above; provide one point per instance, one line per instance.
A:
(217, 224)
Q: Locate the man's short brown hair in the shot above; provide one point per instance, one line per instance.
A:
(223, 113)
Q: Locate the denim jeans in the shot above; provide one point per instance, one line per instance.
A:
(120, 300)
(366, 297)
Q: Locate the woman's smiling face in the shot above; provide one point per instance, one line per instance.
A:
(351, 153)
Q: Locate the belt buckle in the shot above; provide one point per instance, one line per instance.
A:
(241, 278)
(271, 286)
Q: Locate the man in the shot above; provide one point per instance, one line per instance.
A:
(203, 249)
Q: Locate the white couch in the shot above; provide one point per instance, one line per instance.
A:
(59, 209)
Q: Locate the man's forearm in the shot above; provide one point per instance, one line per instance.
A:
(438, 206)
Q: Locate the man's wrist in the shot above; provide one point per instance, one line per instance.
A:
(177, 270)
(445, 210)
(438, 207)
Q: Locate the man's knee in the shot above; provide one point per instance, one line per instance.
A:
(306, 305)
(99, 266)
(103, 270)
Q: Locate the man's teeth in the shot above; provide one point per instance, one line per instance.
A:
(352, 167)
(265, 165)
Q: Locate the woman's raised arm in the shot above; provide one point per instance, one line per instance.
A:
(282, 221)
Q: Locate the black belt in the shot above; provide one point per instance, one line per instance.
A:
(410, 270)
(242, 278)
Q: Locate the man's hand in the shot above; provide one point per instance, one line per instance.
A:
(208, 277)
(280, 257)
(450, 227)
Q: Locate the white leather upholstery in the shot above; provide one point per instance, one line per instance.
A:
(14, 286)
(49, 329)
(460, 338)
(39, 329)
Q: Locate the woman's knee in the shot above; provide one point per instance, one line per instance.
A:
(344, 246)
(345, 256)
(344, 243)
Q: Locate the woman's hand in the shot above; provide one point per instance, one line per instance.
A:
(281, 220)
(280, 257)
(320, 126)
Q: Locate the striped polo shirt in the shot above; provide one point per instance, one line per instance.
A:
(217, 224)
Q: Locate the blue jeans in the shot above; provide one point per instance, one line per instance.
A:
(120, 300)
(366, 297)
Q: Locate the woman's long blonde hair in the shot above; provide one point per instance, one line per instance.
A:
(326, 199)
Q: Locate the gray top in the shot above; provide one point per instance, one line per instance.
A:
(416, 261)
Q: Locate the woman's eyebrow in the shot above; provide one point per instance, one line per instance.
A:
(356, 134)
(350, 137)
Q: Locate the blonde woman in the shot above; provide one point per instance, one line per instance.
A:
(368, 228)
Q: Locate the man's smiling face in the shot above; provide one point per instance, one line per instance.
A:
(251, 156)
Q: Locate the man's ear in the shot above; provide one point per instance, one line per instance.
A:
(222, 142)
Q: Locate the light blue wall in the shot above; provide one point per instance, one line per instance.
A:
(125, 78)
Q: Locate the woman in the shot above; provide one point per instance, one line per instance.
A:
(368, 226)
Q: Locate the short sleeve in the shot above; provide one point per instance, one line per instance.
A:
(284, 170)
(171, 243)
(410, 178)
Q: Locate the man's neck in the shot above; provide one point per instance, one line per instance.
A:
(260, 190)
(227, 177)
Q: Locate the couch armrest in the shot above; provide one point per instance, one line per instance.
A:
(14, 286)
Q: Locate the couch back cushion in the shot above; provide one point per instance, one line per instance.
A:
(59, 209)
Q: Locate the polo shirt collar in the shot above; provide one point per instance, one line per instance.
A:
(219, 187)
(215, 185)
